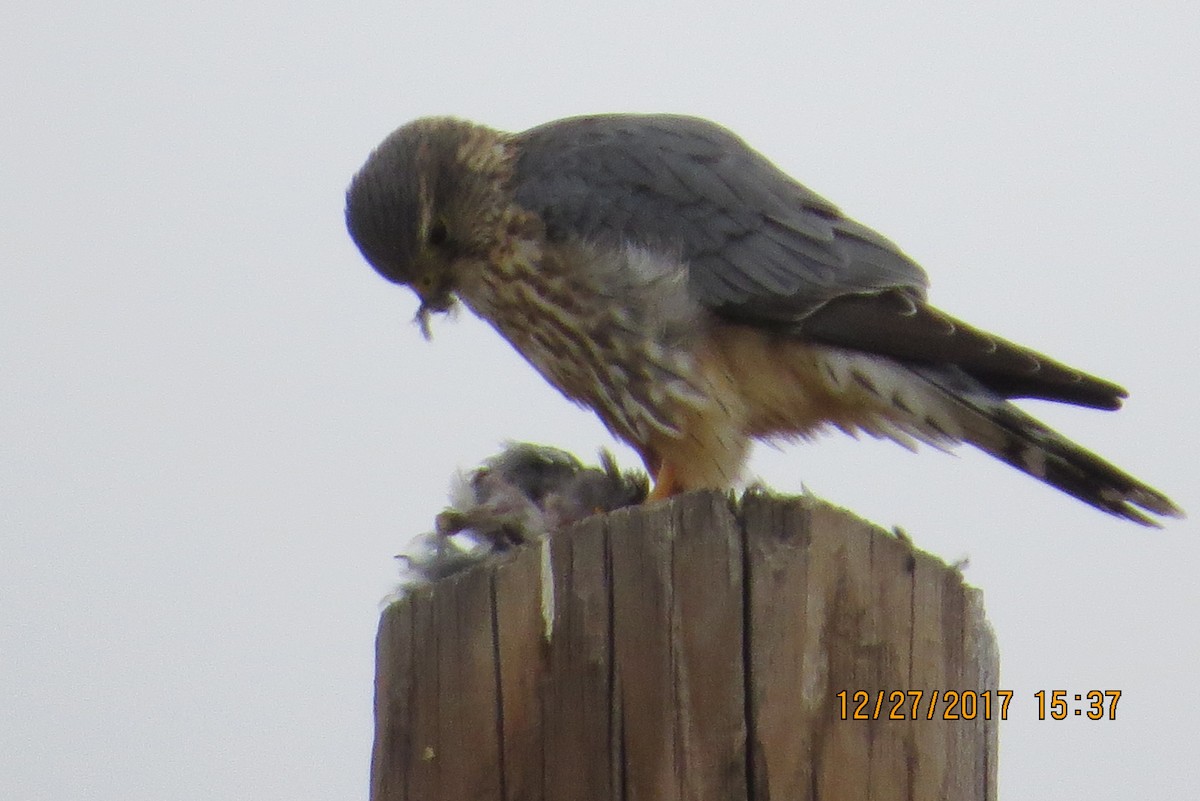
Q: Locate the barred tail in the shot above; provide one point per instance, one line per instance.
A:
(999, 428)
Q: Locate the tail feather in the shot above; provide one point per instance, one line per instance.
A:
(999, 428)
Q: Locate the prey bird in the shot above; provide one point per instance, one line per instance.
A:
(520, 495)
(529, 491)
(659, 271)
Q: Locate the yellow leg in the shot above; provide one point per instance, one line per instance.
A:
(665, 484)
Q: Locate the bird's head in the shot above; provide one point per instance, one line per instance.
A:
(423, 209)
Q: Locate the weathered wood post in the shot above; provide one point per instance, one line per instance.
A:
(691, 650)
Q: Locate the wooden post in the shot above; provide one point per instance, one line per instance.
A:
(689, 650)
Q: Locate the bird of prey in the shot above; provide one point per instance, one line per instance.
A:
(658, 270)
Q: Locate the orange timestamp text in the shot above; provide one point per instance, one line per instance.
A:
(972, 704)
(925, 705)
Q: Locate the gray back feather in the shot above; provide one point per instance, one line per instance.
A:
(758, 245)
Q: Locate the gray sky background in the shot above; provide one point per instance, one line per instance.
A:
(217, 425)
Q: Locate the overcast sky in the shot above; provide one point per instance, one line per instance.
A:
(217, 424)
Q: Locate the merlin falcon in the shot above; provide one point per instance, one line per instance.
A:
(659, 271)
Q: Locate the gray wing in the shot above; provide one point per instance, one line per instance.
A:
(762, 249)
(759, 246)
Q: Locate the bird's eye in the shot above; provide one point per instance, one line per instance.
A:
(438, 234)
